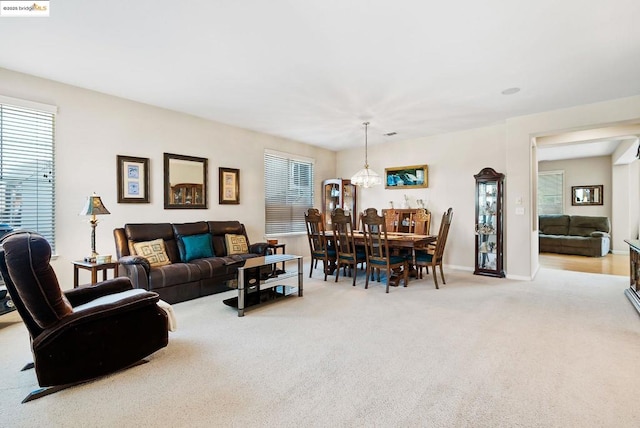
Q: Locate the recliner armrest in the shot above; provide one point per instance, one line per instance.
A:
(598, 234)
(84, 294)
(78, 320)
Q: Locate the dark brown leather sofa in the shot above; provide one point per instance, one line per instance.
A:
(180, 281)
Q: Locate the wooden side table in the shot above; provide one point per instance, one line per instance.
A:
(94, 268)
(275, 248)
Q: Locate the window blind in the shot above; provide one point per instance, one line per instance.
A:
(550, 192)
(288, 185)
(27, 191)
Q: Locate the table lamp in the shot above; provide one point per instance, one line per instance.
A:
(93, 207)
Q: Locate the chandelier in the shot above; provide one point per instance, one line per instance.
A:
(366, 177)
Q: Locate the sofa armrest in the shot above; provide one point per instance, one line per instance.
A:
(599, 234)
(137, 269)
(259, 248)
(84, 294)
(135, 260)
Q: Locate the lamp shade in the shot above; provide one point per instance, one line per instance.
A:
(366, 178)
(94, 206)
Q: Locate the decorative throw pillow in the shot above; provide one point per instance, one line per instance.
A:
(195, 247)
(236, 244)
(153, 251)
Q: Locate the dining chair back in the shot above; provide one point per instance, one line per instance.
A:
(421, 222)
(391, 218)
(348, 255)
(377, 249)
(318, 243)
(432, 255)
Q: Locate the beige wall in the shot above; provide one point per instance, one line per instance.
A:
(92, 128)
(584, 172)
(454, 158)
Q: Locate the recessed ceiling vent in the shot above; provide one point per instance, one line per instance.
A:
(390, 134)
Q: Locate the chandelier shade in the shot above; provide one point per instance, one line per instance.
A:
(366, 177)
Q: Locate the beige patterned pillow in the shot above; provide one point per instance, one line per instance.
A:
(153, 251)
(236, 244)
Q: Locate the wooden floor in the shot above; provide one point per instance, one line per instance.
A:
(611, 264)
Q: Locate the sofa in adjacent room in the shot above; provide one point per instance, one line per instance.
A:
(182, 261)
(574, 234)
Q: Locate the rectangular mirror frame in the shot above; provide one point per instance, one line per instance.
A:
(587, 195)
(193, 187)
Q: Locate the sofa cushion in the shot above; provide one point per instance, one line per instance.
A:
(173, 274)
(585, 225)
(554, 224)
(140, 232)
(236, 244)
(195, 247)
(153, 251)
(219, 229)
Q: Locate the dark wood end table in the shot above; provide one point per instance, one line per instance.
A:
(94, 268)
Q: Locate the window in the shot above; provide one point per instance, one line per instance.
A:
(550, 192)
(288, 189)
(27, 197)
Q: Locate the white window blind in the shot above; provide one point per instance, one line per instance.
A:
(550, 192)
(288, 185)
(27, 196)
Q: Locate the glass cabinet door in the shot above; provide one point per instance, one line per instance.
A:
(339, 193)
(489, 240)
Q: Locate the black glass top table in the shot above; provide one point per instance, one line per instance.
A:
(259, 282)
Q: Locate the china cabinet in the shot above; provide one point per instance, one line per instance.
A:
(489, 232)
(416, 220)
(339, 193)
(187, 193)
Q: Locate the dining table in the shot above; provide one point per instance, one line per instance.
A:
(397, 241)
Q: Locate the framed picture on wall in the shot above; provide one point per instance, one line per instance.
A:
(133, 179)
(229, 185)
(406, 177)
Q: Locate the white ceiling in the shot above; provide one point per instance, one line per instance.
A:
(314, 70)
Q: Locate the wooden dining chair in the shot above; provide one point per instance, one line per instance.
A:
(391, 218)
(318, 243)
(377, 249)
(421, 224)
(432, 254)
(348, 255)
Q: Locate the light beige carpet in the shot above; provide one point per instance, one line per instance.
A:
(560, 351)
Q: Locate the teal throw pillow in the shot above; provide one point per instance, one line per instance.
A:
(196, 247)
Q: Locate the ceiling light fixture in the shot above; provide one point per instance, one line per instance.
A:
(366, 177)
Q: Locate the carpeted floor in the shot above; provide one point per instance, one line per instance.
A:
(559, 351)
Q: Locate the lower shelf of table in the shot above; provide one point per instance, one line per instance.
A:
(265, 295)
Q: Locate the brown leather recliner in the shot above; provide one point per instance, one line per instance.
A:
(80, 334)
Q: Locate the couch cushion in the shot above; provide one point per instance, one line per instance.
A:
(585, 225)
(140, 232)
(173, 274)
(236, 244)
(187, 229)
(554, 224)
(219, 229)
(153, 251)
(195, 247)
